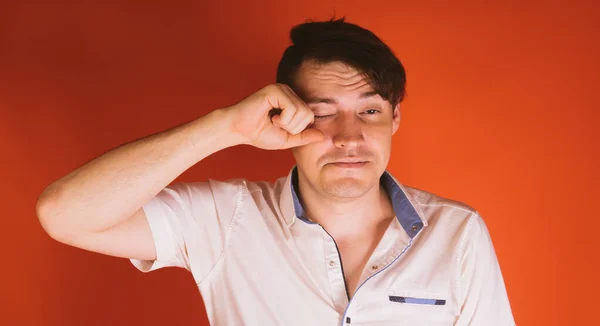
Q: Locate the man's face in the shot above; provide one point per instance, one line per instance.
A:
(358, 126)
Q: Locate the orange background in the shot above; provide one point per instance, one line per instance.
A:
(501, 114)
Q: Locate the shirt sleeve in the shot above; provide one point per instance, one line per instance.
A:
(483, 295)
(190, 225)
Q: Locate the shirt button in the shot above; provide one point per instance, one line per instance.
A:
(415, 228)
(331, 263)
(374, 267)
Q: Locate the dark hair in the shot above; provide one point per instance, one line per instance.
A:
(338, 40)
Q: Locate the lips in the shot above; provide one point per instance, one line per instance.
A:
(349, 164)
(350, 160)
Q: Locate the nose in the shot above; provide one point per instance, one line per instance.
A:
(347, 132)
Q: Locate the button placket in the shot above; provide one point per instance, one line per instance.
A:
(335, 273)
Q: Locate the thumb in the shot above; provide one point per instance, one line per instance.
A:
(307, 136)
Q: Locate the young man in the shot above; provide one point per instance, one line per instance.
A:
(337, 241)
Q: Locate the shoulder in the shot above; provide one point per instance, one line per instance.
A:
(434, 207)
(228, 188)
(237, 188)
(426, 198)
(450, 217)
(207, 188)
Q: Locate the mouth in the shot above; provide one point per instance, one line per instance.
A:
(349, 164)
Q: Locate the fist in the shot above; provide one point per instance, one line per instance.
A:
(274, 118)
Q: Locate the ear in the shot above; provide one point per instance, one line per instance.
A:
(396, 118)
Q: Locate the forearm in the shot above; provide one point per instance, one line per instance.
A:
(108, 189)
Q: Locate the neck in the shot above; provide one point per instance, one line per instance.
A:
(347, 218)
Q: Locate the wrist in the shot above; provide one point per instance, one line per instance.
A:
(226, 133)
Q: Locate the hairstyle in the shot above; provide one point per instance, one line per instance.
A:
(338, 40)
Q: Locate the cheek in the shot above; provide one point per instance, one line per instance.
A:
(307, 153)
(380, 142)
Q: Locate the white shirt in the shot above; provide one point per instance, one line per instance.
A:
(258, 261)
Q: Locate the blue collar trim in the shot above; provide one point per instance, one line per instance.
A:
(405, 212)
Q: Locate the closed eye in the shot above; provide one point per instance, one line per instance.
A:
(367, 112)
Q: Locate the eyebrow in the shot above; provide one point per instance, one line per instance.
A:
(328, 100)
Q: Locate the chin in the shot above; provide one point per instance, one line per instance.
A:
(345, 186)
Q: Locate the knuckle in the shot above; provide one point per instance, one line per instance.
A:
(287, 129)
(307, 111)
(291, 109)
(273, 89)
(280, 87)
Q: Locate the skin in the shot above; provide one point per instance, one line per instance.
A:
(347, 201)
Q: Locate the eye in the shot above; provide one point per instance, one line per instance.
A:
(320, 117)
(372, 111)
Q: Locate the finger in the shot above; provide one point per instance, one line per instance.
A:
(309, 135)
(277, 120)
(298, 102)
(299, 122)
(279, 99)
(302, 110)
(295, 127)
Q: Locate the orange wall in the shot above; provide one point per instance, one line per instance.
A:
(500, 114)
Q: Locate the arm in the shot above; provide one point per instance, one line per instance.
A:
(99, 206)
(84, 208)
(483, 295)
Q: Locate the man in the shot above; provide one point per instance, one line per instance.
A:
(337, 241)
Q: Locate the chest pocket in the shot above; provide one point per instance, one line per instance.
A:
(409, 307)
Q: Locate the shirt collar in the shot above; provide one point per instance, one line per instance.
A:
(406, 213)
